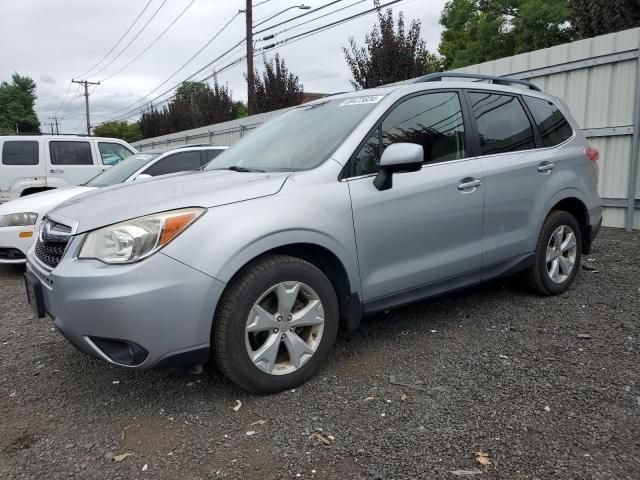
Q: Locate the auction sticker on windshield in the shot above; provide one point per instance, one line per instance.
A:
(362, 100)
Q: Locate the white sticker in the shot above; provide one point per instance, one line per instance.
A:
(142, 156)
(362, 100)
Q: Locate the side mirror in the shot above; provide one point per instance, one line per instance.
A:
(143, 176)
(398, 157)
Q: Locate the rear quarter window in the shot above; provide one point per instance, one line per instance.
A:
(552, 124)
(20, 152)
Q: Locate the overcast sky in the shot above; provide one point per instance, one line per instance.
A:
(53, 42)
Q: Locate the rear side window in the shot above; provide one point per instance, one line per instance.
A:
(112, 153)
(70, 153)
(20, 153)
(503, 124)
(552, 125)
(178, 162)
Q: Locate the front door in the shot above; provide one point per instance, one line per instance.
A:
(428, 227)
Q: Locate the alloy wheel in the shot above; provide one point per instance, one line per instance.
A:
(561, 254)
(284, 328)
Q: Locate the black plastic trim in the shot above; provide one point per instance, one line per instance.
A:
(199, 356)
(437, 77)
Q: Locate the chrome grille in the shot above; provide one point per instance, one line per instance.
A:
(52, 242)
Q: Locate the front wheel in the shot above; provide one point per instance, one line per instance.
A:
(276, 324)
(557, 256)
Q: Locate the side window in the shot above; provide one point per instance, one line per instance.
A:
(70, 153)
(553, 127)
(20, 153)
(503, 124)
(211, 154)
(178, 162)
(433, 120)
(112, 153)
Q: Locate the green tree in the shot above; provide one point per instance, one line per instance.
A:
(477, 31)
(195, 104)
(129, 132)
(390, 54)
(17, 101)
(277, 87)
(597, 17)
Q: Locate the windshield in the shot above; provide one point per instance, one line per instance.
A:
(122, 171)
(300, 139)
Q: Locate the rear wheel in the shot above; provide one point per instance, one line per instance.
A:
(557, 256)
(276, 324)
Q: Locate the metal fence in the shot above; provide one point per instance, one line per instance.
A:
(598, 78)
(226, 133)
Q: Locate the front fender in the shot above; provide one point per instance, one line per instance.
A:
(228, 237)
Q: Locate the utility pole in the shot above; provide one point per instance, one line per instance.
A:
(251, 93)
(54, 121)
(86, 84)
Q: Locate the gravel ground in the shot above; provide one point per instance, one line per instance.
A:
(547, 387)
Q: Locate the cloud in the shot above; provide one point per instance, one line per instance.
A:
(53, 54)
(46, 78)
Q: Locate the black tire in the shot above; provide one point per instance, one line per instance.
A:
(228, 335)
(536, 277)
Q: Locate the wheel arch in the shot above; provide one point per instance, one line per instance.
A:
(346, 287)
(571, 203)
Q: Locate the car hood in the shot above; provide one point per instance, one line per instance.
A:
(110, 205)
(42, 202)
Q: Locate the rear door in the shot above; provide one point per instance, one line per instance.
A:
(70, 162)
(427, 228)
(21, 161)
(519, 179)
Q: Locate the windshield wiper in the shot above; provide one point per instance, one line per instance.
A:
(237, 168)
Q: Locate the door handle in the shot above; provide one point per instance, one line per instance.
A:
(546, 167)
(53, 170)
(470, 184)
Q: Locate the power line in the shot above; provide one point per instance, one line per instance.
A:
(258, 4)
(152, 43)
(119, 40)
(310, 12)
(134, 111)
(184, 65)
(130, 41)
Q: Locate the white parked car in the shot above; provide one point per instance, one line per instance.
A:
(20, 218)
(34, 163)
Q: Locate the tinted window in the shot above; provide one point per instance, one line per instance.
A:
(432, 120)
(211, 154)
(553, 127)
(112, 153)
(178, 162)
(502, 123)
(70, 153)
(20, 153)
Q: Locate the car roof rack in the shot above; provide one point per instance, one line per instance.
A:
(437, 77)
(43, 134)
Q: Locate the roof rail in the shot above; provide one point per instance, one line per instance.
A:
(436, 77)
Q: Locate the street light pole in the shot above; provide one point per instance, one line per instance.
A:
(251, 92)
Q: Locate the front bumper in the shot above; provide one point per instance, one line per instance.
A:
(159, 304)
(13, 248)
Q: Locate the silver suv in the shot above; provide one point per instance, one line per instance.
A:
(345, 206)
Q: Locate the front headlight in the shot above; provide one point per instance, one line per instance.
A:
(135, 239)
(18, 219)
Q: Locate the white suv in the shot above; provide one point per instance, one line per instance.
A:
(34, 163)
